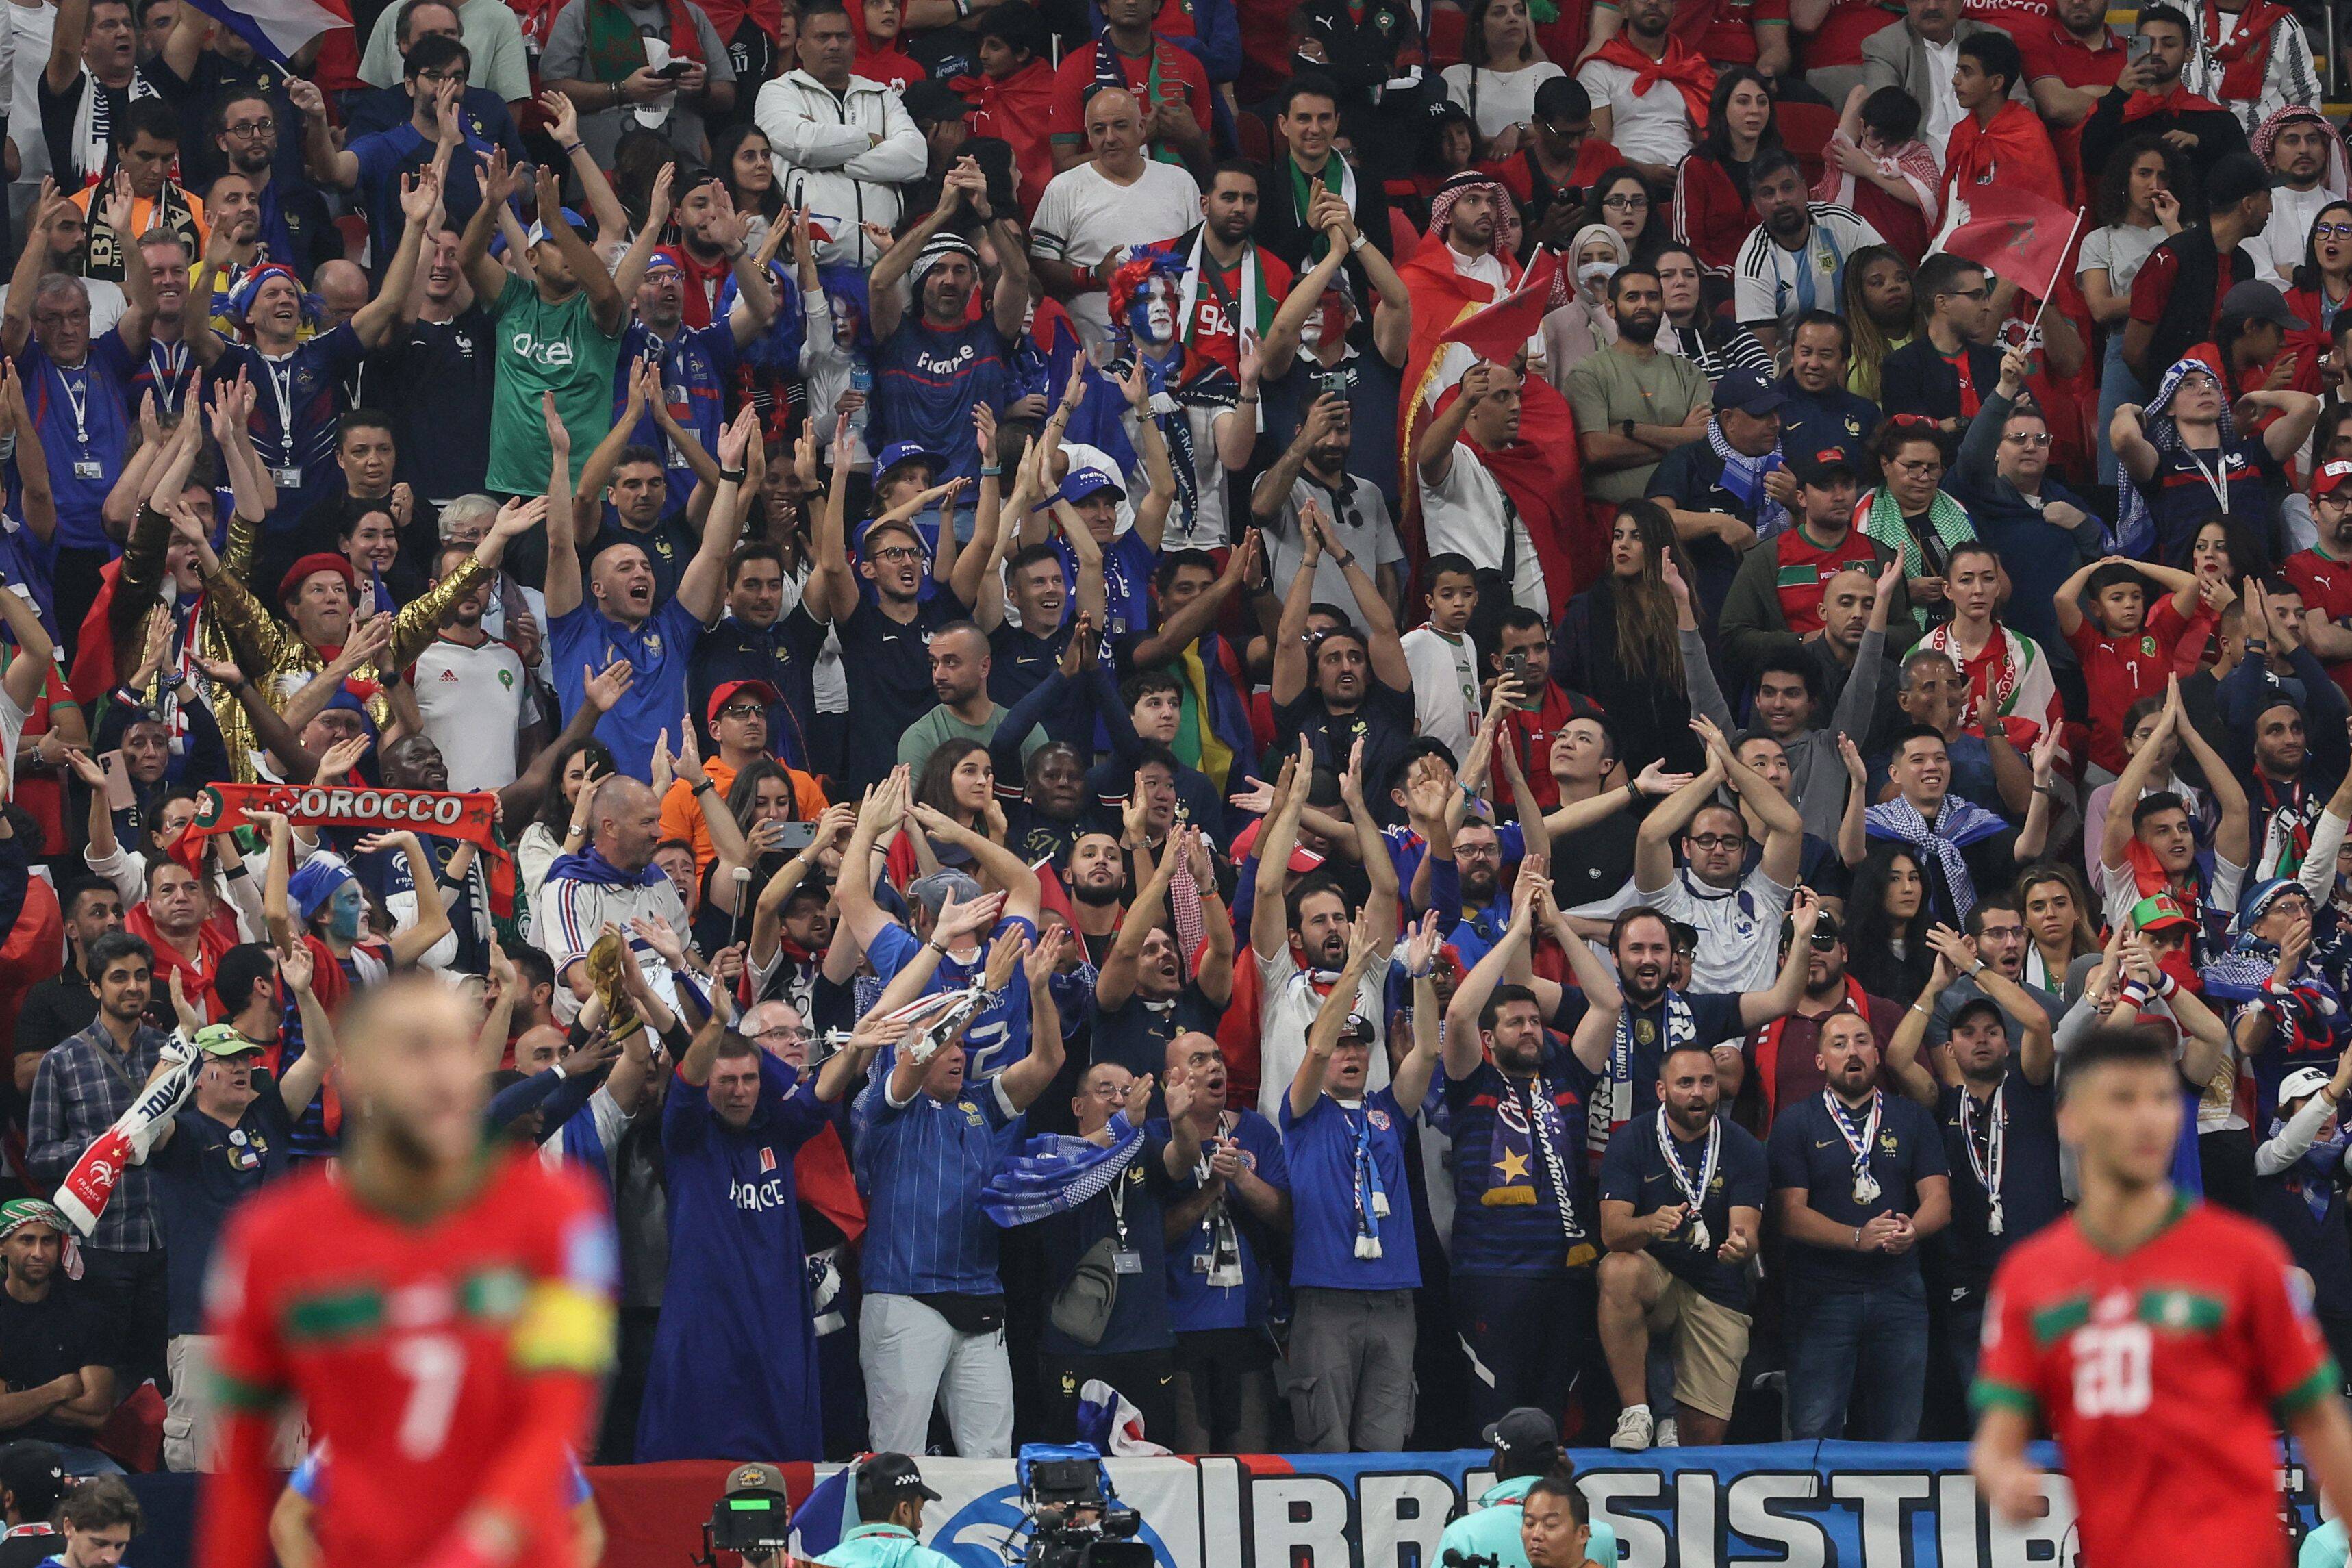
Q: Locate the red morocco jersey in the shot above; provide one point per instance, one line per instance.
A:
(449, 1362)
(2161, 1374)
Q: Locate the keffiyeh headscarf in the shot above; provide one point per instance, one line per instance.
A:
(2136, 529)
(936, 249)
(1957, 824)
(2338, 181)
(18, 1212)
(1441, 207)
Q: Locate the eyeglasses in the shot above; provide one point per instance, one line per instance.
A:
(782, 1032)
(2331, 231)
(244, 129)
(1625, 204)
(1918, 466)
(744, 710)
(442, 75)
(896, 552)
(2030, 439)
(1712, 841)
(1979, 292)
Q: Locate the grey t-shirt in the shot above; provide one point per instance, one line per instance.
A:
(566, 59)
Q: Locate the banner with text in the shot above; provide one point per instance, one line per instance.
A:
(1803, 1505)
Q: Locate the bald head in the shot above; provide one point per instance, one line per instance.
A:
(1115, 132)
(1197, 1059)
(1845, 606)
(539, 1049)
(342, 289)
(628, 822)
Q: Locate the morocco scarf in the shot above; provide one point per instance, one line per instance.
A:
(1681, 65)
(2245, 59)
(616, 48)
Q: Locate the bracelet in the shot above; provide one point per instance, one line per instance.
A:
(1361, 240)
(1923, 1007)
(700, 785)
(990, 470)
(1342, 561)
(574, 151)
(732, 476)
(1857, 1238)
(578, 829)
(1245, 397)
(936, 945)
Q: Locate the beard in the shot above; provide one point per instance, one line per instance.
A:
(1639, 327)
(1097, 896)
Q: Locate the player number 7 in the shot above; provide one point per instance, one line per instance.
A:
(435, 1366)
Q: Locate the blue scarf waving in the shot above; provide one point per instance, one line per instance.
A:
(1054, 1175)
(590, 866)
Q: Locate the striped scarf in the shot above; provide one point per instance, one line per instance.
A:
(1882, 520)
(1054, 1175)
(1959, 824)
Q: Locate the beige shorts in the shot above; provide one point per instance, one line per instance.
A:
(1710, 1341)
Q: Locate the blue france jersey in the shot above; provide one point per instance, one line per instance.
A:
(1320, 1148)
(925, 382)
(1193, 1303)
(734, 1362)
(660, 651)
(698, 365)
(922, 1166)
(86, 432)
(999, 1033)
(298, 402)
(1127, 565)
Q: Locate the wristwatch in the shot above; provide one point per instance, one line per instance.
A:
(1627, 426)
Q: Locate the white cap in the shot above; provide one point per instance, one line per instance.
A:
(2302, 1082)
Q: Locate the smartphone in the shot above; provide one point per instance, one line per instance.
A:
(676, 69)
(2140, 44)
(121, 795)
(796, 837)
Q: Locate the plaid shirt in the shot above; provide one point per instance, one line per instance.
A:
(83, 1084)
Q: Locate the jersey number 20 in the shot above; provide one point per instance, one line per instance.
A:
(2111, 1369)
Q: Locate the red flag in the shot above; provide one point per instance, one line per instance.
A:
(2012, 234)
(1502, 328)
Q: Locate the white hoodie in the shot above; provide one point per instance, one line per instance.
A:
(826, 161)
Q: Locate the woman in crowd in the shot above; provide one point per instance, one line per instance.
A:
(1886, 922)
(1876, 300)
(747, 168)
(1584, 324)
(2058, 926)
(1712, 341)
(762, 800)
(1711, 211)
(562, 825)
(1620, 198)
(1617, 643)
(2136, 212)
(1909, 512)
(959, 781)
(2323, 283)
(1502, 66)
(2224, 550)
(1446, 146)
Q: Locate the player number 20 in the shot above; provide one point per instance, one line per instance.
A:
(435, 1366)
(2111, 1369)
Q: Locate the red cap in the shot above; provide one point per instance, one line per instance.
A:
(726, 690)
(1302, 860)
(2331, 477)
(310, 566)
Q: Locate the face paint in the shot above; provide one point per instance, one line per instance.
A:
(1152, 317)
(345, 911)
(1329, 324)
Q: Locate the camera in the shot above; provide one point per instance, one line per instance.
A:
(1075, 1517)
(752, 1518)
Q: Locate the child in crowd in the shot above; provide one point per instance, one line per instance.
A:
(2126, 650)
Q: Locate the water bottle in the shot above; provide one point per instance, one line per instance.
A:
(861, 377)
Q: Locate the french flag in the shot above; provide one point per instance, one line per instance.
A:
(279, 28)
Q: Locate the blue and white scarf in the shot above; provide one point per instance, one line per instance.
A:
(1743, 476)
(1613, 1097)
(1054, 1175)
(1959, 824)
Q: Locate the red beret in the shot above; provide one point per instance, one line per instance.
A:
(310, 565)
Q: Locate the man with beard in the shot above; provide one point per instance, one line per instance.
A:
(1713, 889)
(1095, 871)
(57, 1358)
(91, 79)
(1649, 89)
(754, 641)
(1347, 690)
(1682, 1211)
(1315, 467)
(1859, 1180)
(1730, 487)
(1519, 1107)
(618, 615)
(65, 1004)
(228, 1140)
(1299, 935)
(2305, 156)
(1998, 1111)
(960, 666)
(473, 691)
(2072, 58)
(931, 370)
(1794, 260)
(434, 373)
(83, 1086)
(1220, 1261)
(1633, 404)
(2287, 752)
(384, 103)
(2152, 97)
(371, 168)
(1777, 1056)
(1234, 283)
(694, 368)
(1143, 999)
(1463, 511)
(2324, 571)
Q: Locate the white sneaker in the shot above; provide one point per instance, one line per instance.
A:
(1668, 1436)
(1633, 1429)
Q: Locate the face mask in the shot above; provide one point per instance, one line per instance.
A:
(1593, 274)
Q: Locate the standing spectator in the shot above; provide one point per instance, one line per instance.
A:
(372, 166)
(92, 77)
(1858, 1181)
(1348, 689)
(931, 1331)
(728, 1384)
(2177, 296)
(1795, 258)
(434, 375)
(1999, 140)
(1443, 659)
(2041, 531)
(1316, 468)
(2254, 60)
(1650, 91)
(1731, 909)
(1948, 371)
(1781, 597)
(1306, 123)
(1147, 993)
(472, 690)
(1695, 331)
(68, 1003)
(1463, 511)
(145, 148)
(488, 28)
(1226, 1231)
(82, 1086)
(615, 883)
(1682, 1211)
(1503, 65)
(55, 1333)
(755, 641)
(1617, 644)
(2299, 1179)
(843, 144)
(231, 1136)
(608, 57)
(1099, 211)
(484, 111)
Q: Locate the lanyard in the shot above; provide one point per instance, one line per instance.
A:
(1694, 1194)
(77, 399)
(168, 368)
(281, 386)
(2217, 479)
(1865, 1185)
(1986, 1167)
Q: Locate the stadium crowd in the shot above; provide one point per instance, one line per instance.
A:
(1312, 753)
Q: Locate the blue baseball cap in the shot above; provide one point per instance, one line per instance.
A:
(1748, 391)
(898, 452)
(1083, 482)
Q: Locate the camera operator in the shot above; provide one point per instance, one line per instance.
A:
(1526, 1449)
(890, 1499)
(1076, 1519)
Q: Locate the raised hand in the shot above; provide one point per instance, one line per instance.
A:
(958, 921)
(1046, 957)
(1656, 783)
(343, 757)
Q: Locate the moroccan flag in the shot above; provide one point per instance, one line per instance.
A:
(1498, 332)
(2012, 234)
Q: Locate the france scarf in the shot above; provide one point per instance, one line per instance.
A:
(1054, 1175)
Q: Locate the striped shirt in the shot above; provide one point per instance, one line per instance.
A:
(1772, 286)
(921, 1166)
(1716, 346)
(573, 914)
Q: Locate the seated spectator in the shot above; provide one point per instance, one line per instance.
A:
(1960, 845)
(1947, 372)
(2163, 450)
(67, 1003)
(1649, 90)
(1998, 138)
(1695, 332)
(1731, 488)
(1820, 413)
(1876, 300)
(1502, 67)
(1876, 166)
(1779, 602)
(2012, 694)
(60, 1340)
(1711, 185)
(1909, 514)
(1796, 256)
(2041, 530)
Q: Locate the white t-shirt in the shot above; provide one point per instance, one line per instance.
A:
(1769, 284)
(2121, 249)
(472, 699)
(12, 730)
(1445, 687)
(1462, 513)
(1082, 217)
(1361, 526)
(1654, 128)
(1505, 98)
(1288, 1003)
(1942, 111)
(1738, 930)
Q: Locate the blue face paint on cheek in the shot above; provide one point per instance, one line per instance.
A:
(343, 912)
